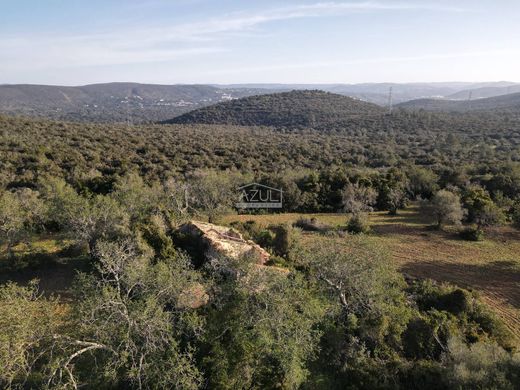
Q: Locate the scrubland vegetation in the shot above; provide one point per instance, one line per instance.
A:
(374, 208)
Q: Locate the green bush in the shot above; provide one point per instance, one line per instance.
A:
(155, 233)
(250, 230)
(515, 215)
(28, 322)
(482, 366)
(429, 296)
(426, 336)
(191, 245)
(31, 260)
(285, 239)
(358, 224)
(265, 238)
(424, 375)
(491, 325)
(472, 234)
(310, 225)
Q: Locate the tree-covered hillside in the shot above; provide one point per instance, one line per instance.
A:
(287, 109)
(29, 148)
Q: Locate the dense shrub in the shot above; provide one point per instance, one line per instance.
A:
(482, 366)
(28, 322)
(472, 234)
(335, 317)
(515, 215)
(481, 208)
(286, 238)
(250, 230)
(311, 225)
(426, 336)
(430, 295)
(253, 231)
(358, 223)
(101, 154)
(76, 249)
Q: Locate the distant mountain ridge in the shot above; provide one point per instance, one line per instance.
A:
(484, 92)
(284, 109)
(112, 102)
(146, 103)
(378, 93)
(510, 102)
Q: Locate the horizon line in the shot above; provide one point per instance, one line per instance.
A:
(263, 83)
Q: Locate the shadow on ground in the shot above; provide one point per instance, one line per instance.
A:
(56, 275)
(499, 277)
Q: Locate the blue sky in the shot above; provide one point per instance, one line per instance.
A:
(74, 42)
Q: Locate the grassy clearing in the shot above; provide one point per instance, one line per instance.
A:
(264, 220)
(491, 267)
(52, 259)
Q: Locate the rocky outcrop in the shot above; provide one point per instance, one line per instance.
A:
(220, 244)
(224, 241)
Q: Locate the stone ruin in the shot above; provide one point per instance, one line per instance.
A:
(224, 241)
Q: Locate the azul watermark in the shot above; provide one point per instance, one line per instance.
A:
(259, 196)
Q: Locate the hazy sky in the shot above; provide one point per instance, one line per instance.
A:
(74, 42)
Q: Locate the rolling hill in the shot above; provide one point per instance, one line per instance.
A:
(506, 103)
(147, 103)
(113, 102)
(286, 109)
(484, 92)
(401, 92)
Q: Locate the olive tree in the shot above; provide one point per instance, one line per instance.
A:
(445, 207)
(88, 218)
(358, 199)
(28, 323)
(136, 198)
(392, 194)
(20, 213)
(213, 193)
(130, 321)
(178, 199)
(481, 366)
(422, 182)
(11, 220)
(489, 215)
(395, 199)
(361, 278)
(515, 214)
(481, 208)
(98, 218)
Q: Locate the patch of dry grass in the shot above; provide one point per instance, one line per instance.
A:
(264, 220)
(491, 267)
